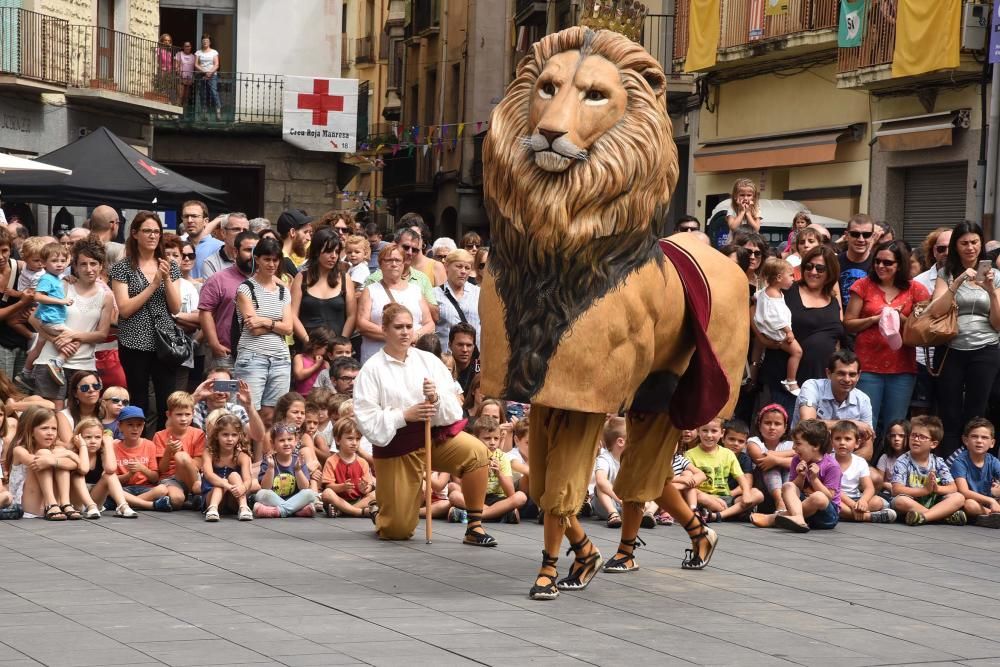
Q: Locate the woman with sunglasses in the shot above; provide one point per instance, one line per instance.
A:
(390, 288)
(816, 323)
(321, 295)
(88, 322)
(969, 363)
(145, 285)
(888, 368)
(83, 400)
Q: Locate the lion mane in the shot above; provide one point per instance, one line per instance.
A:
(562, 241)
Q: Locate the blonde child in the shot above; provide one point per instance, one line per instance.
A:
(977, 473)
(720, 464)
(744, 206)
(284, 478)
(179, 450)
(770, 452)
(922, 484)
(346, 409)
(307, 366)
(348, 486)
(773, 318)
(96, 482)
(38, 467)
(32, 268)
(113, 401)
(812, 492)
(50, 295)
(858, 501)
(896, 442)
(502, 501)
(357, 252)
(226, 475)
(603, 499)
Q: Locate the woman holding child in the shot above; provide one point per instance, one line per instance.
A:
(395, 393)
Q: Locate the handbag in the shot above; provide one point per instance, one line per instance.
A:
(173, 347)
(925, 330)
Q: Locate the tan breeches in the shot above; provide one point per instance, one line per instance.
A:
(647, 464)
(399, 481)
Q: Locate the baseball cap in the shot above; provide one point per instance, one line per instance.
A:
(292, 219)
(131, 412)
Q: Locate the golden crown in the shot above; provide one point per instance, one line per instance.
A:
(624, 16)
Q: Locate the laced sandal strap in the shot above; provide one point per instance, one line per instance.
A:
(549, 561)
(631, 544)
(693, 523)
(578, 546)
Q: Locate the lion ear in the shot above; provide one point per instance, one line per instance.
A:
(656, 80)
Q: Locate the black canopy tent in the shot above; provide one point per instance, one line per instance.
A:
(106, 170)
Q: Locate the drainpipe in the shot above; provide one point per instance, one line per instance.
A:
(989, 189)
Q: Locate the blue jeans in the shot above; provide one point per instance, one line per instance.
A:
(890, 395)
(210, 91)
(268, 377)
(288, 506)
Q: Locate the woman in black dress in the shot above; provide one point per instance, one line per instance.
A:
(321, 297)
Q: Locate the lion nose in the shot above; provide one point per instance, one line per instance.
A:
(550, 135)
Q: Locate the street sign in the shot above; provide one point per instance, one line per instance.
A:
(320, 114)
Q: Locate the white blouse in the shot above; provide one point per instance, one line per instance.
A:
(386, 387)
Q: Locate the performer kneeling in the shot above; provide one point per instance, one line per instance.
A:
(394, 394)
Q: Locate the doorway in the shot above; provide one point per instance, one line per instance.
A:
(188, 25)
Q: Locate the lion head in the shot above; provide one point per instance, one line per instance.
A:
(580, 147)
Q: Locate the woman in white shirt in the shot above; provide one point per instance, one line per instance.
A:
(394, 394)
(391, 289)
(206, 63)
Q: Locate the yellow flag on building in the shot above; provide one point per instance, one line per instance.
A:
(927, 36)
(703, 35)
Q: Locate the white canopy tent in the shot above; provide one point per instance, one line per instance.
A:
(10, 162)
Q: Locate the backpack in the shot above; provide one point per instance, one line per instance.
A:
(718, 229)
(236, 326)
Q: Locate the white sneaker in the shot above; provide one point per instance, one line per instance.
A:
(212, 514)
(92, 512)
(126, 512)
(245, 514)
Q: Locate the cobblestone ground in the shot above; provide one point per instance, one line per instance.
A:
(171, 589)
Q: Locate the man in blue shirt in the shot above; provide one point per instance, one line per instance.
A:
(836, 398)
(194, 216)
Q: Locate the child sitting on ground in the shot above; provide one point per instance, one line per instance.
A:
(310, 427)
(137, 470)
(113, 401)
(734, 437)
(687, 477)
(38, 467)
(320, 398)
(922, 485)
(99, 479)
(812, 492)
(977, 473)
(858, 501)
(896, 442)
(774, 320)
(226, 468)
(284, 478)
(770, 453)
(502, 501)
(179, 448)
(348, 486)
(689, 440)
(518, 458)
(715, 499)
(604, 501)
(291, 411)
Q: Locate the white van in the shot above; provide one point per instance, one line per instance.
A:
(777, 217)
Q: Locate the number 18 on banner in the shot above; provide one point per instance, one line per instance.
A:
(320, 114)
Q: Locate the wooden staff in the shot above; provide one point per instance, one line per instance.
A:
(427, 477)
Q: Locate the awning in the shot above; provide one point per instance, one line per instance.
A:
(916, 132)
(814, 146)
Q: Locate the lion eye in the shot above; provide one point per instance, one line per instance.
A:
(547, 91)
(594, 96)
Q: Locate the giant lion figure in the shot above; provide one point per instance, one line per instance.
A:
(585, 311)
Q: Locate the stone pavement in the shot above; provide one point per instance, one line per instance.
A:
(171, 589)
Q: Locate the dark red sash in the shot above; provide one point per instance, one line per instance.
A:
(410, 438)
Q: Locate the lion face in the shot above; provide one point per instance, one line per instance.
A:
(576, 100)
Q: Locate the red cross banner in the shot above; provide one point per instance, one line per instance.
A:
(320, 114)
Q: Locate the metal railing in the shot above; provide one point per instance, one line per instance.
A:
(380, 133)
(877, 41)
(117, 61)
(745, 22)
(236, 98)
(364, 50)
(658, 38)
(34, 46)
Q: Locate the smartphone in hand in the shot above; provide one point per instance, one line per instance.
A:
(984, 266)
(227, 386)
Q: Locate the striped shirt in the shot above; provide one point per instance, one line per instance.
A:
(270, 305)
(680, 463)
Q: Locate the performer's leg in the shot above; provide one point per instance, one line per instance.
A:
(466, 457)
(398, 495)
(563, 448)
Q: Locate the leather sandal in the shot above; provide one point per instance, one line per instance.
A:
(475, 534)
(583, 569)
(692, 557)
(372, 510)
(546, 591)
(53, 513)
(620, 563)
(72, 513)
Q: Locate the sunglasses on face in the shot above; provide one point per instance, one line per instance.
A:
(341, 230)
(940, 248)
(188, 255)
(818, 268)
(754, 253)
(409, 249)
(688, 229)
(87, 388)
(884, 262)
(471, 245)
(119, 401)
(860, 235)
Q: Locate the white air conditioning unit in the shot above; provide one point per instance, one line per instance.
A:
(975, 21)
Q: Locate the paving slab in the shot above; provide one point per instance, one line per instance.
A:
(169, 589)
